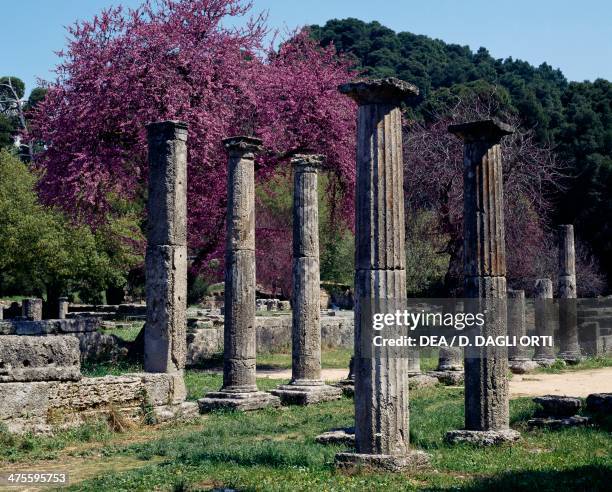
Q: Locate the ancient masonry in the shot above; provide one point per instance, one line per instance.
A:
(166, 256)
(486, 384)
(381, 378)
(519, 361)
(306, 385)
(239, 391)
(569, 349)
(544, 355)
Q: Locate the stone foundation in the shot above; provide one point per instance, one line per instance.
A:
(241, 402)
(414, 460)
(448, 378)
(297, 394)
(345, 437)
(482, 437)
(45, 406)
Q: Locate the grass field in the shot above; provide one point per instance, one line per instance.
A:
(275, 450)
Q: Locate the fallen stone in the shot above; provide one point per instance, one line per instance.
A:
(482, 438)
(422, 381)
(559, 422)
(413, 460)
(599, 403)
(448, 378)
(26, 358)
(49, 326)
(522, 366)
(558, 406)
(344, 436)
(240, 402)
(307, 394)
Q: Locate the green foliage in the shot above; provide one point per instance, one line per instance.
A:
(574, 118)
(425, 265)
(41, 252)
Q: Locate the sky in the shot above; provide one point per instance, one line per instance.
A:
(573, 36)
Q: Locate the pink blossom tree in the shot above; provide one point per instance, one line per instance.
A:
(178, 59)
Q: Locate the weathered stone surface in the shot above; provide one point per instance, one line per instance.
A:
(306, 392)
(25, 358)
(411, 460)
(450, 359)
(522, 366)
(448, 378)
(558, 406)
(544, 355)
(167, 199)
(517, 355)
(166, 256)
(237, 401)
(569, 349)
(486, 384)
(62, 307)
(381, 385)
(559, 422)
(482, 437)
(46, 406)
(166, 286)
(422, 381)
(344, 436)
(31, 309)
(101, 347)
(599, 403)
(49, 326)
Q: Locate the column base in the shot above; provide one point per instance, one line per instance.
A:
(347, 386)
(545, 361)
(522, 366)
(570, 358)
(344, 437)
(482, 438)
(413, 460)
(448, 378)
(241, 402)
(306, 392)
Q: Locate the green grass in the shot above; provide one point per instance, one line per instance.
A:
(275, 450)
(588, 363)
(127, 331)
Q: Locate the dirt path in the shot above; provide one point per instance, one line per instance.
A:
(571, 383)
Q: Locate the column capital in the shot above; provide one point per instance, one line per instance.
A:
(491, 130)
(389, 90)
(307, 163)
(242, 145)
(168, 129)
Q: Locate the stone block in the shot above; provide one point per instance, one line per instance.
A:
(295, 394)
(482, 437)
(242, 402)
(422, 381)
(341, 437)
(558, 406)
(413, 460)
(25, 358)
(559, 422)
(599, 403)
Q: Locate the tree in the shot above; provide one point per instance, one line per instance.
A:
(42, 253)
(177, 60)
(13, 108)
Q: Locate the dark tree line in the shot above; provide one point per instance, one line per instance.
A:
(573, 118)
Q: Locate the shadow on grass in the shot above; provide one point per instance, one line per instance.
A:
(588, 478)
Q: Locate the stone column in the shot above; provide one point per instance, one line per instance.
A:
(518, 360)
(166, 255)
(381, 378)
(486, 379)
(348, 385)
(306, 385)
(239, 391)
(32, 309)
(544, 327)
(62, 307)
(569, 349)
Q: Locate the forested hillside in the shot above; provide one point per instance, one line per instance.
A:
(575, 118)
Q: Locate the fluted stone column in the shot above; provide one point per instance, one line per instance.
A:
(32, 309)
(62, 307)
(519, 361)
(306, 385)
(239, 391)
(486, 380)
(569, 349)
(544, 355)
(381, 379)
(166, 254)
